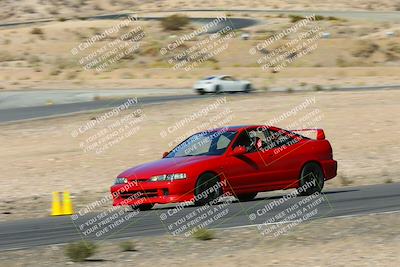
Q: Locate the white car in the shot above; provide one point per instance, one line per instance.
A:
(219, 84)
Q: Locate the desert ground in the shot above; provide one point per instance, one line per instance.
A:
(38, 56)
(372, 240)
(43, 156)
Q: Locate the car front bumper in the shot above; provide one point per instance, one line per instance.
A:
(151, 193)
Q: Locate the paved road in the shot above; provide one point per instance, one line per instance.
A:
(336, 202)
(40, 112)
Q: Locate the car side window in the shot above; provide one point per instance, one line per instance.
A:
(281, 138)
(227, 78)
(252, 140)
(223, 142)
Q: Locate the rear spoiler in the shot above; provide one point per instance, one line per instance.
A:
(320, 132)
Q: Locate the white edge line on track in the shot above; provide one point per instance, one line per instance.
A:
(287, 222)
(232, 227)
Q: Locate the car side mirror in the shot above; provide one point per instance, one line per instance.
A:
(239, 150)
(165, 154)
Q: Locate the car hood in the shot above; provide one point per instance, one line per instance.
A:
(163, 166)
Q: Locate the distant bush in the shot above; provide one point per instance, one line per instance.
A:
(332, 18)
(319, 17)
(80, 251)
(37, 31)
(365, 49)
(388, 181)
(174, 22)
(317, 87)
(295, 18)
(289, 90)
(127, 246)
(203, 234)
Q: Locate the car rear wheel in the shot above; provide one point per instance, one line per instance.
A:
(207, 189)
(311, 179)
(143, 207)
(246, 197)
(217, 89)
(247, 88)
(201, 92)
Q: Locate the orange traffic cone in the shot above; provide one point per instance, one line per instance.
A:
(56, 209)
(67, 204)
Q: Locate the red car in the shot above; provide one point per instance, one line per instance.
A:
(236, 160)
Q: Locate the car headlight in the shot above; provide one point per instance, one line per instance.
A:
(168, 177)
(120, 180)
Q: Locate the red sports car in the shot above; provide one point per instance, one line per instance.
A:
(235, 160)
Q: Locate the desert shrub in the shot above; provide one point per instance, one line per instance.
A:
(388, 181)
(317, 87)
(5, 56)
(55, 72)
(295, 18)
(365, 49)
(344, 180)
(174, 22)
(80, 251)
(394, 47)
(332, 18)
(203, 234)
(37, 31)
(127, 246)
(29, 9)
(319, 17)
(33, 59)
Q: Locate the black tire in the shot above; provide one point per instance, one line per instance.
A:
(247, 88)
(203, 186)
(246, 197)
(143, 207)
(217, 89)
(201, 92)
(311, 172)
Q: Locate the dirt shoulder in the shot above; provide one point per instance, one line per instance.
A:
(369, 240)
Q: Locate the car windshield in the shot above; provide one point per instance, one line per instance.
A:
(205, 143)
(209, 78)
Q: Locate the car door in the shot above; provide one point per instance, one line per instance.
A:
(228, 85)
(244, 172)
(283, 156)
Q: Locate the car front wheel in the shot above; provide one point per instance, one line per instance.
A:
(207, 189)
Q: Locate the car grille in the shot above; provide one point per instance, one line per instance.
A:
(139, 194)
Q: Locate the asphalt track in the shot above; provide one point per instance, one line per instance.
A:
(346, 201)
(41, 112)
(11, 115)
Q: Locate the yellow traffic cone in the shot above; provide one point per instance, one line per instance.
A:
(56, 205)
(67, 204)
